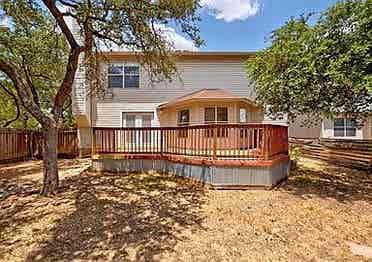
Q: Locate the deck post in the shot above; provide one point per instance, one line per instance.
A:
(94, 141)
(161, 142)
(266, 142)
(215, 142)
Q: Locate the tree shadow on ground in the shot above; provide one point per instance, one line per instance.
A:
(123, 217)
(25, 178)
(329, 181)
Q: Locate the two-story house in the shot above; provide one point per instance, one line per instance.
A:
(210, 87)
(203, 124)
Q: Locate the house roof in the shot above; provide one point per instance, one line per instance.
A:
(206, 95)
(184, 55)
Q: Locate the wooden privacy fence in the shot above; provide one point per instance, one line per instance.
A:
(246, 141)
(345, 152)
(21, 144)
(14, 144)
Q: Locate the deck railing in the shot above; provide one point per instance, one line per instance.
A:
(238, 141)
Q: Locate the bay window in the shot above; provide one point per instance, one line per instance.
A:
(216, 115)
(183, 120)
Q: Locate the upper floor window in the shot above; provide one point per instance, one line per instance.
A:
(344, 127)
(123, 76)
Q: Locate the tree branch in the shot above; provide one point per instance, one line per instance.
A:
(23, 91)
(65, 89)
(51, 5)
(28, 77)
(10, 93)
(69, 4)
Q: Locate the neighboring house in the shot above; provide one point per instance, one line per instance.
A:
(338, 128)
(212, 87)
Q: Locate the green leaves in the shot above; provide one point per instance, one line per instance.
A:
(319, 70)
(36, 47)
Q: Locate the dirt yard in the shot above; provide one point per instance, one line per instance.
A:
(315, 216)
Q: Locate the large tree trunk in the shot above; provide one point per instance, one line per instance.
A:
(50, 160)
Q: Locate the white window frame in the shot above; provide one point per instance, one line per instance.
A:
(123, 74)
(138, 117)
(344, 129)
(243, 115)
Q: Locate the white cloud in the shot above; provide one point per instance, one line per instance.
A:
(179, 42)
(230, 10)
(4, 20)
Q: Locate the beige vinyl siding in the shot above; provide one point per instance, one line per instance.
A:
(110, 114)
(195, 76)
(297, 128)
(367, 129)
(79, 92)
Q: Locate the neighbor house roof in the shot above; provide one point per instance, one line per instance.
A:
(206, 95)
(184, 55)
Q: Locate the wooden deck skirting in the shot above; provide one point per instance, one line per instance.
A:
(220, 145)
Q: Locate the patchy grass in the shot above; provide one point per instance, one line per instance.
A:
(140, 217)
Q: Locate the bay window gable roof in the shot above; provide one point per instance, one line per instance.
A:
(208, 95)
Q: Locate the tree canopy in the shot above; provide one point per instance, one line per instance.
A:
(40, 52)
(318, 70)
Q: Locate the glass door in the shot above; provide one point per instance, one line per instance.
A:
(137, 140)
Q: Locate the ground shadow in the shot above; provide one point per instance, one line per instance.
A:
(329, 181)
(123, 217)
(25, 178)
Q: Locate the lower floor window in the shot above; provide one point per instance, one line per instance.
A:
(183, 119)
(134, 119)
(344, 127)
(214, 115)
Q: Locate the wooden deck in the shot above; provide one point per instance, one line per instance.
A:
(221, 156)
(229, 142)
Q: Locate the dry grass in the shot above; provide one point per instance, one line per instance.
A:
(142, 217)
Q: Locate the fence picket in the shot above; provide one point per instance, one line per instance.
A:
(22, 144)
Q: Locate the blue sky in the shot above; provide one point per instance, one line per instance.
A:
(238, 28)
(241, 25)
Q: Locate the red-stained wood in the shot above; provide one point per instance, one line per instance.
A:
(196, 160)
(233, 141)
